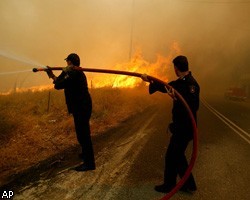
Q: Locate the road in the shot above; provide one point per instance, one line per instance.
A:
(130, 160)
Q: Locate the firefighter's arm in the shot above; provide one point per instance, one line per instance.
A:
(63, 80)
(50, 73)
(154, 86)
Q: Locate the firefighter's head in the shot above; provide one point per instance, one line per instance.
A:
(73, 59)
(180, 65)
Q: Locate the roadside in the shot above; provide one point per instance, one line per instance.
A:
(30, 133)
(130, 162)
(237, 111)
(115, 152)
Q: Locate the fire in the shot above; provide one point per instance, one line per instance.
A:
(159, 68)
(29, 89)
(36, 88)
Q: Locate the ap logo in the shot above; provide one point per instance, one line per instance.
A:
(7, 194)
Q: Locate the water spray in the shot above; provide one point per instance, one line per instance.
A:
(19, 59)
(173, 94)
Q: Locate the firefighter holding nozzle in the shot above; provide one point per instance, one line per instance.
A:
(181, 127)
(79, 104)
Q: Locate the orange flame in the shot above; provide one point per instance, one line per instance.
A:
(29, 89)
(159, 69)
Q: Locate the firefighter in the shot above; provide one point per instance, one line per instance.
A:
(79, 104)
(181, 127)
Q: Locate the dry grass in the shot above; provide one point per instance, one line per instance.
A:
(29, 133)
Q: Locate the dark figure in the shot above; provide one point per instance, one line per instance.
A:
(79, 104)
(181, 127)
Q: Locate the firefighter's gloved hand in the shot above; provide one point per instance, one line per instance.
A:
(49, 72)
(171, 93)
(67, 69)
(144, 77)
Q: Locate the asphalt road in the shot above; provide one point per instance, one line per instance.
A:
(130, 160)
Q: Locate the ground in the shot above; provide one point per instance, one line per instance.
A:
(130, 160)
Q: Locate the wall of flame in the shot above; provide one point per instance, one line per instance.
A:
(160, 68)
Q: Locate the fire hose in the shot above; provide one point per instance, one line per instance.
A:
(174, 94)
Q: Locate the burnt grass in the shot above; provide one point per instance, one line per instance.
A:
(28, 152)
(65, 159)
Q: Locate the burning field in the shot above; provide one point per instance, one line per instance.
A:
(136, 37)
(160, 68)
(35, 125)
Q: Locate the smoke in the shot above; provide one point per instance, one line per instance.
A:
(213, 34)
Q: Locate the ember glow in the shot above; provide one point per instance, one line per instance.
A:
(30, 89)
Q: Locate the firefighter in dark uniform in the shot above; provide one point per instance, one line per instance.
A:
(181, 127)
(79, 104)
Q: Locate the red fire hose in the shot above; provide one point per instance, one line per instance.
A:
(174, 94)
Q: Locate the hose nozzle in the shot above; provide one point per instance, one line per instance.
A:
(39, 69)
(35, 70)
(44, 69)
